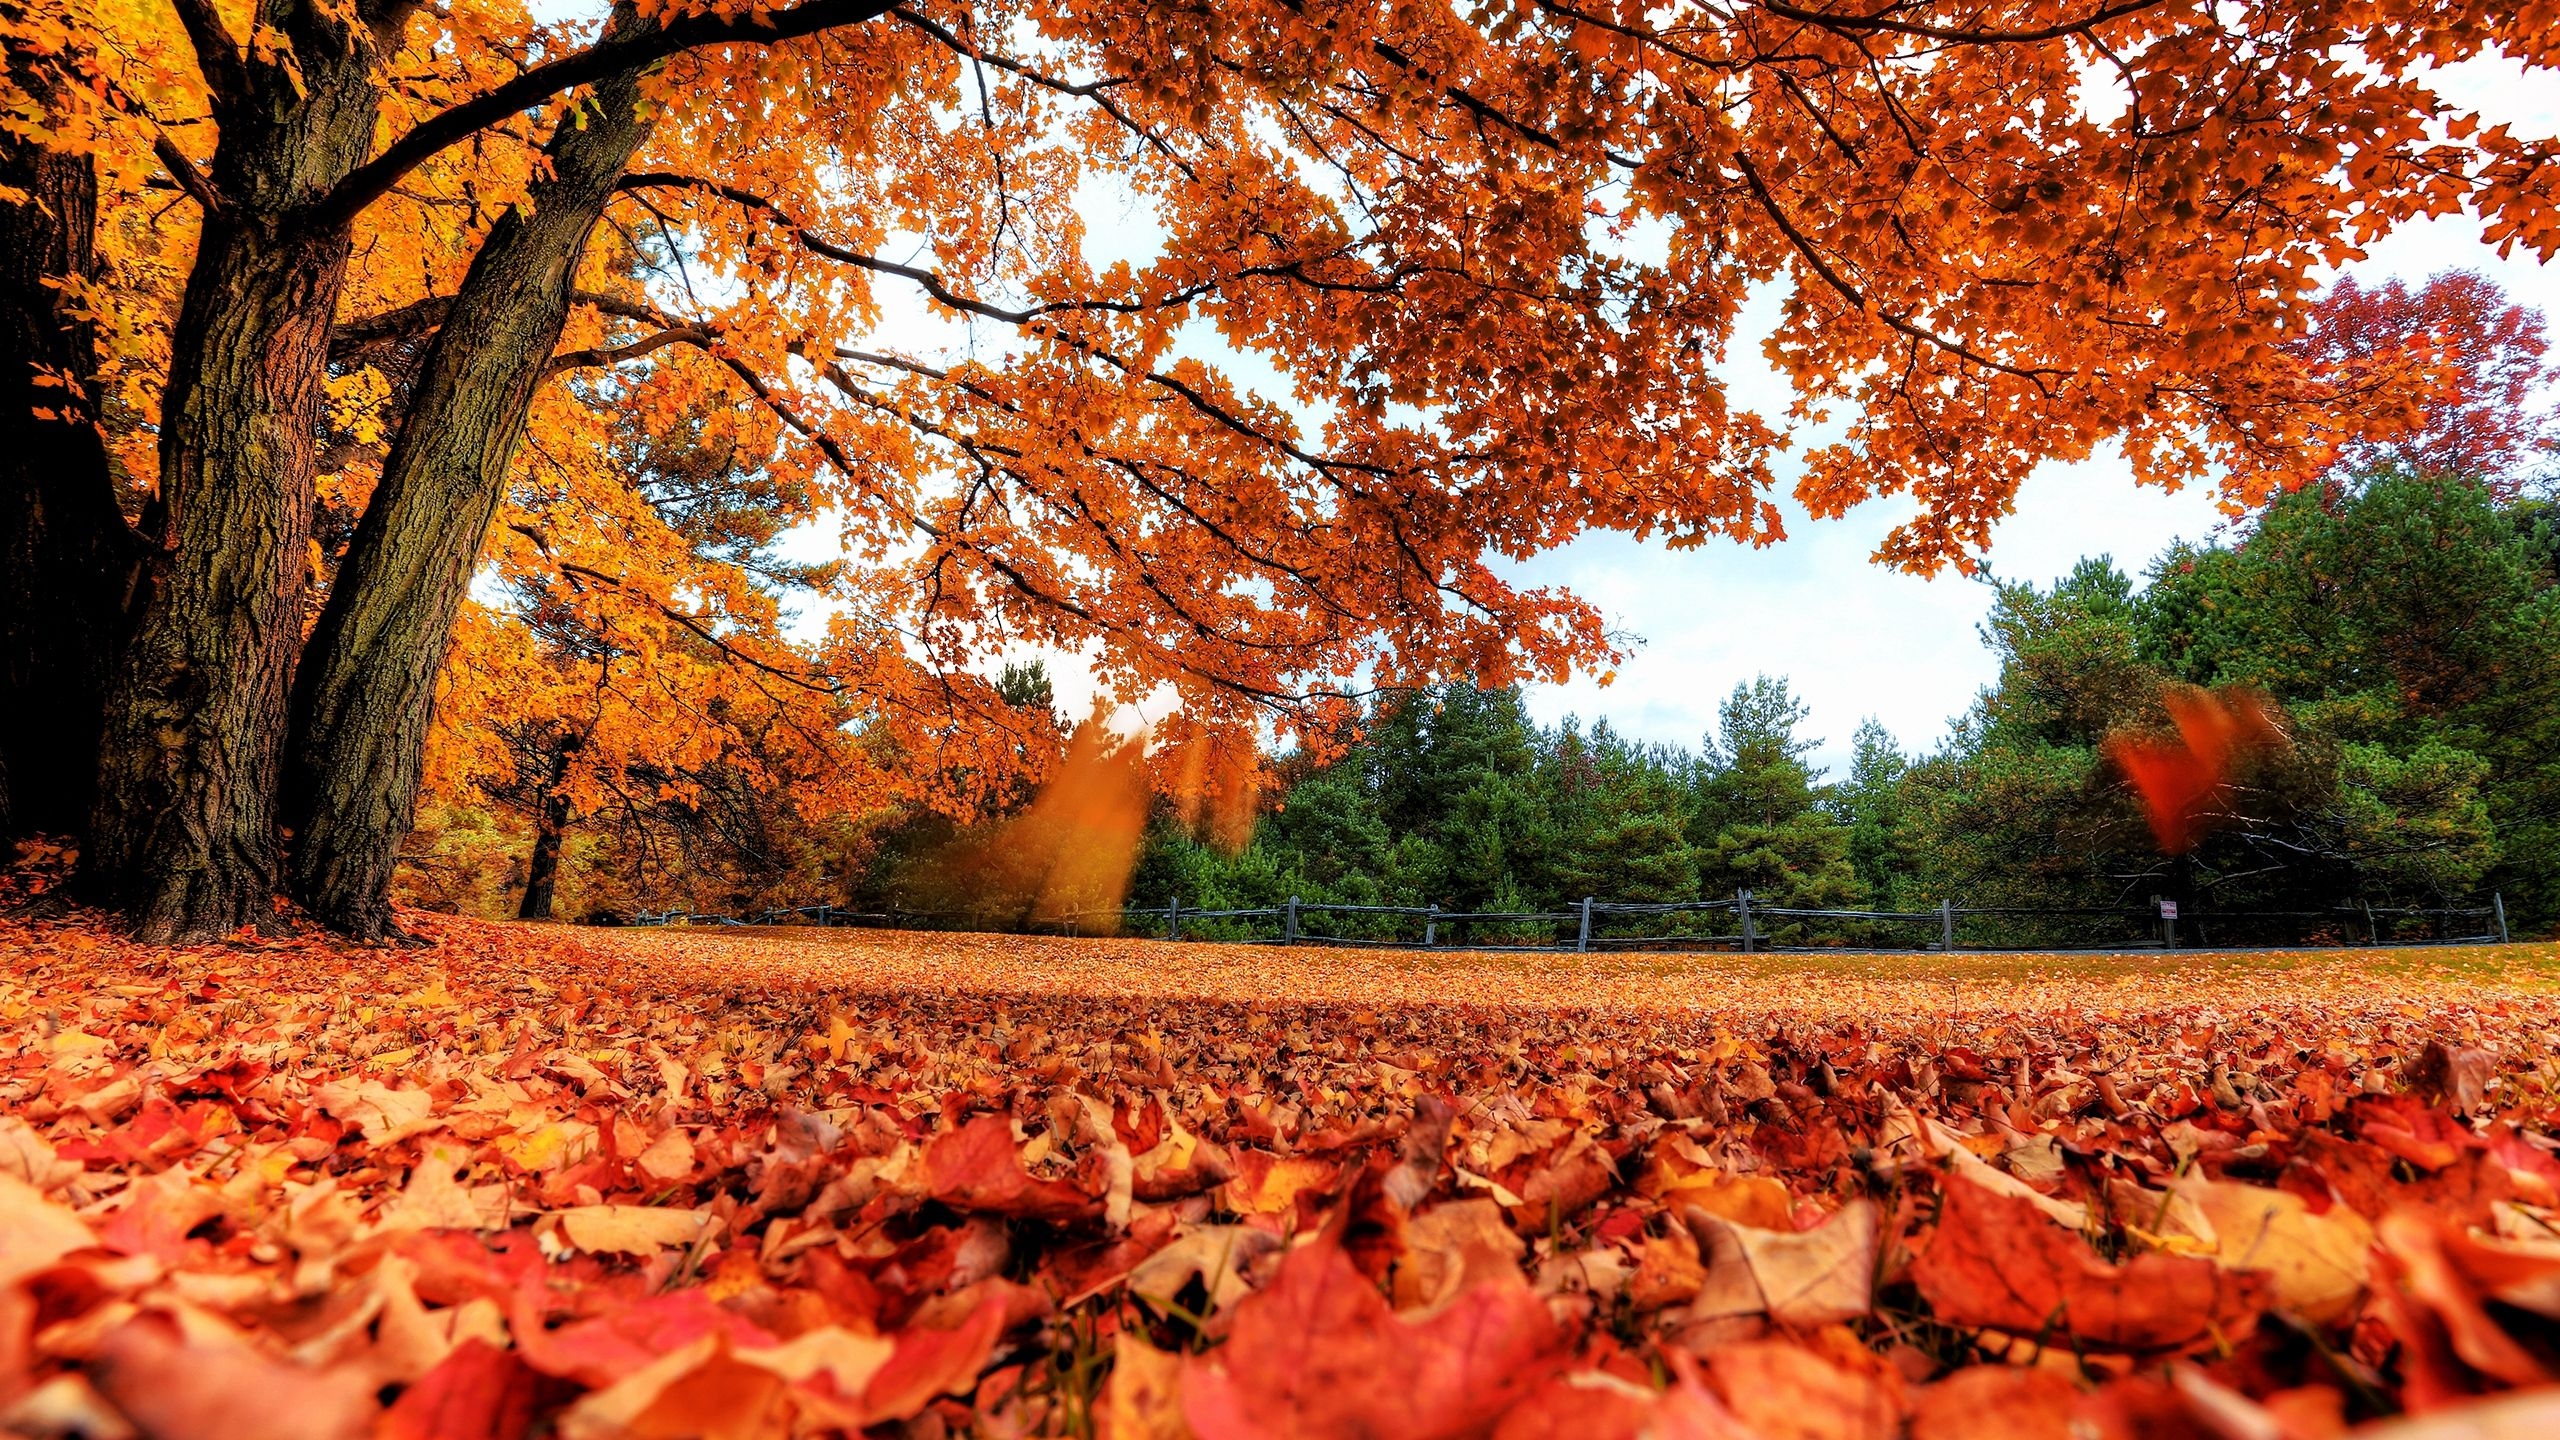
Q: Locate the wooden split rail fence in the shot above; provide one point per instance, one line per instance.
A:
(1585, 926)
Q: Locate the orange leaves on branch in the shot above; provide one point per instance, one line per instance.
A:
(2183, 782)
(1213, 775)
(1466, 306)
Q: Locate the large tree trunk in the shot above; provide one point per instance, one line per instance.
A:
(183, 834)
(66, 553)
(366, 690)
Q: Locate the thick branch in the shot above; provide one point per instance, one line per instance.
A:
(1886, 25)
(414, 320)
(375, 177)
(604, 355)
(1033, 320)
(184, 171)
(226, 74)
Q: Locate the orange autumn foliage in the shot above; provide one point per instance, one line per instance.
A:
(1400, 292)
(1081, 833)
(2183, 781)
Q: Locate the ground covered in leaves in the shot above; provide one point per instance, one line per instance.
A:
(587, 1184)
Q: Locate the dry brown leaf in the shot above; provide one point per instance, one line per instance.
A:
(1219, 1256)
(1801, 1278)
(2318, 1265)
(631, 1229)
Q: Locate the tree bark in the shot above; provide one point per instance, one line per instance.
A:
(542, 872)
(183, 833)
(66, 553)
(366, 690)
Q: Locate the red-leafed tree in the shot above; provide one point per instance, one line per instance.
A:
(2449, 377)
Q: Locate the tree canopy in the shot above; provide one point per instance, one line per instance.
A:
(374, 293)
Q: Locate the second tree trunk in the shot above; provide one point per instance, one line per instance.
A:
(366, 690)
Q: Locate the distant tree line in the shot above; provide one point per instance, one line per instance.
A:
(2407, 624)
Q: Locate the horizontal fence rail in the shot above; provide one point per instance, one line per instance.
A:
(1755, 927)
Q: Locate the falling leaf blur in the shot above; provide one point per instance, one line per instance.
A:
(1066, 858)
(2183, 781)
(1213, 775)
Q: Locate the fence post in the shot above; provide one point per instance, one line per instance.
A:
(1173, 918)
(1583, 941)
(1742, 904)
(1947, 926)
(1289, 927)
(2498, 903)
(1431, 928)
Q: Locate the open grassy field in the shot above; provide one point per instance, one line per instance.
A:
(1814, 984)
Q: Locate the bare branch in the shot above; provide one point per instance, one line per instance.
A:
(1883, 24)
(606, 355)
(615, 53)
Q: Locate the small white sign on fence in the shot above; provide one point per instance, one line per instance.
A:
(2168, 909)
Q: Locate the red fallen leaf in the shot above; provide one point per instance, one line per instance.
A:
(2365, 1179)
(1596, 1405)
(2415, 1244)
(1998, 1263)
(477, 1391)
(1345, 1137)
(1318, 1352)
(35, 1231)
(2178, 780)
(160, 1212)
(230, 1080)
(599, 1351)
(932, 1363)
(2531, 1169)
(1140, 1125)
(1563, 1184)
(2012, 1401)
(945, 1258)
(848, 1293)
(1209, 1168)
(455, 1266)
(1268, 1184)
(176, 1385)
(160, 1132)
(2137, 1407)
(978, 1169)
(1778, 1388)
(2402, 1124)
(1078, 1273)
